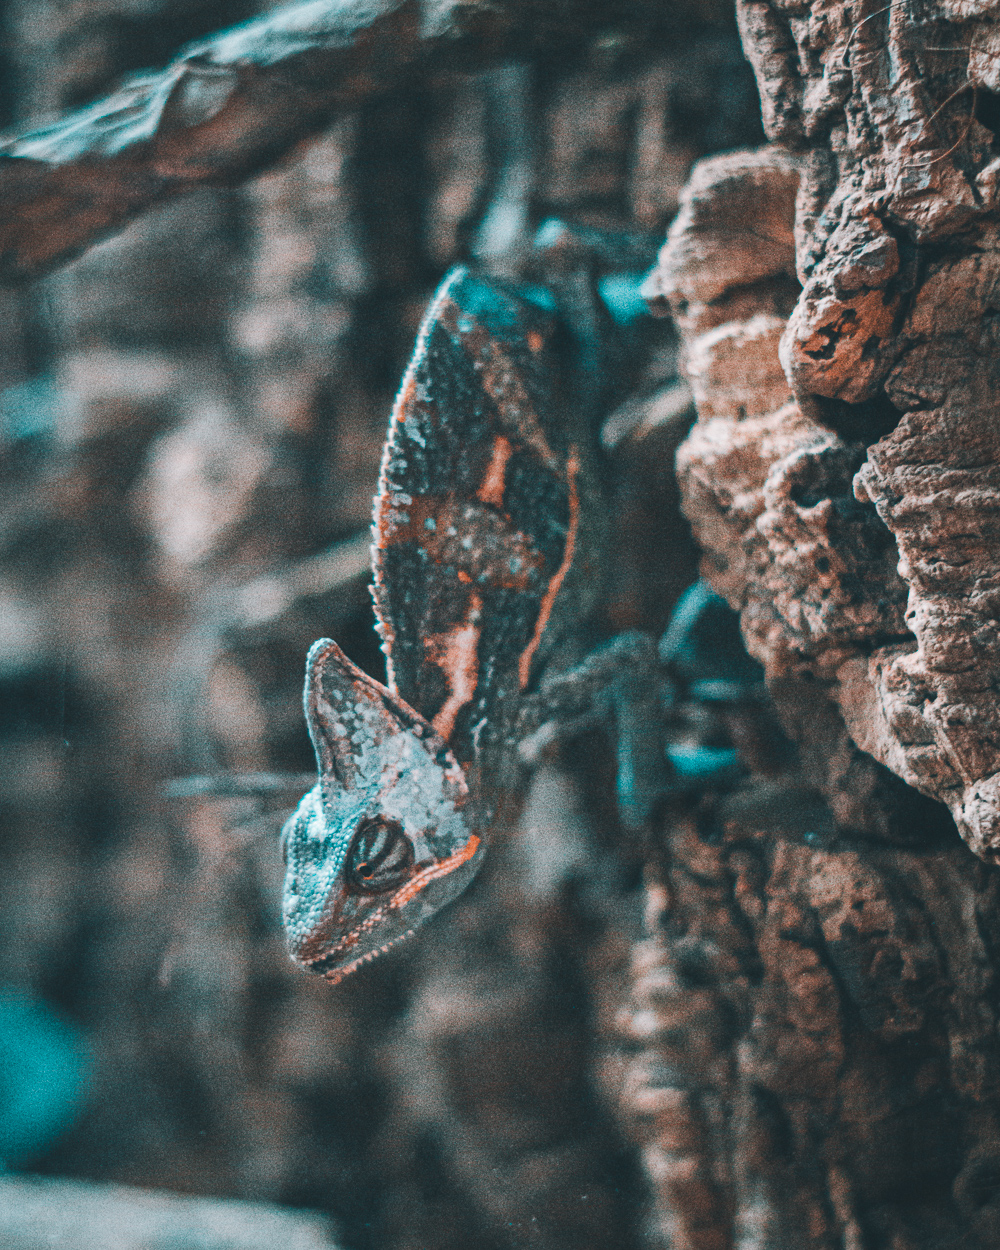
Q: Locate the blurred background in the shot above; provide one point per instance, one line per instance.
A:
(191, 418)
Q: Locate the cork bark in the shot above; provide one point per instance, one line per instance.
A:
(869, 514)
(815, 1008)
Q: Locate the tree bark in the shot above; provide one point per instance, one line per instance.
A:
(817, 1000)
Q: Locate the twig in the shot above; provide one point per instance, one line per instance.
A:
(864, 22)
(236, 785)
(965, 133)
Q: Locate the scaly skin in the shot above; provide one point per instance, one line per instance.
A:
(487, 539)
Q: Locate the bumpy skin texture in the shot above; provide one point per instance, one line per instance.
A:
(483, 553)
(485, 559)
(381, 842)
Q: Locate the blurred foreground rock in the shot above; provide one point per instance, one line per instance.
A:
(42, 1214)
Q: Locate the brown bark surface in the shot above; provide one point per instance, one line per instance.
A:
(817, 1003)
(869, 516)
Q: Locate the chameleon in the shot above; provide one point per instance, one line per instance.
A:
(489, 535)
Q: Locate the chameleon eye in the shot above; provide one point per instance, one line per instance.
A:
(380, 857)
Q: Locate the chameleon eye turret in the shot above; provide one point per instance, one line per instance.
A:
(380, 858)
(382, 841)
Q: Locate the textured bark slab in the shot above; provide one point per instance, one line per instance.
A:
(769, 489)
(856, 525)
(815, 1065)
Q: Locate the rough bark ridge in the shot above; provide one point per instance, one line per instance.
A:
(890, 351)
(816, 1005)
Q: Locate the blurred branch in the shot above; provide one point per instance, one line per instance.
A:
(237, 785)
(232, 104)
(263, 608)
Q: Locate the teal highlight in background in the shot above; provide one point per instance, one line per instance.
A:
(44, 1066)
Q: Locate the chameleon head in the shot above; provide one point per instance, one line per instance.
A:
(382, 842)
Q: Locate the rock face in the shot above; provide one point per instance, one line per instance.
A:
(837, 297)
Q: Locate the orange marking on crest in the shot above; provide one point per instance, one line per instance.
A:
(545, 611)
(491, 490)
(456, 654)
(500, 379)
(407, 390)
(535, 341)
(427, 875)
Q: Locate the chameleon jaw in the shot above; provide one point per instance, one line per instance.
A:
(453, 873)
(434, 871)
(336, 975)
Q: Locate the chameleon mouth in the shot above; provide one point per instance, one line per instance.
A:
(336, 975)
(419, 882)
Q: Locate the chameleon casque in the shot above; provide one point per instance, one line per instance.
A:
(488, 533)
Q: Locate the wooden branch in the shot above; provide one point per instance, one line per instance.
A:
(224, 109)
(232, 104)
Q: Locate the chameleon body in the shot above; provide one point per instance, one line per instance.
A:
(488, 531)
